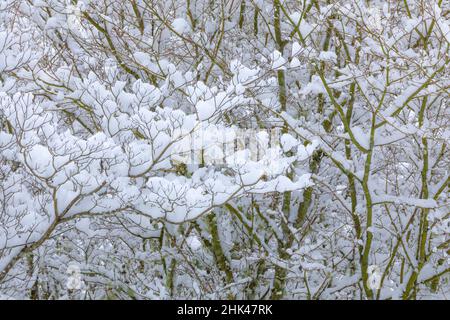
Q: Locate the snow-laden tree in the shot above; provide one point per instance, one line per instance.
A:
(252, 149)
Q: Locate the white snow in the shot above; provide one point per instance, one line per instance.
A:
(278, 62)
(180, 25)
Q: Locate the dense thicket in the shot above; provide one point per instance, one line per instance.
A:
(116, 180)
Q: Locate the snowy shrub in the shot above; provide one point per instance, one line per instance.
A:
(251, 149)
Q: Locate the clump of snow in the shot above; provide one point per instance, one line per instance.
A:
(296, 48)
(180, 25)
(205, 109)
(328, 56)
(278, 62)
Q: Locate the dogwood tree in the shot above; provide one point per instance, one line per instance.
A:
(252, 149)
